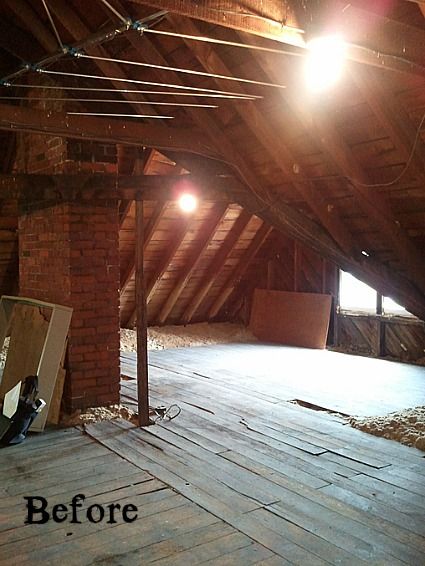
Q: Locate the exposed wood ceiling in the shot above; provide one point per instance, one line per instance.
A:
(303, 164)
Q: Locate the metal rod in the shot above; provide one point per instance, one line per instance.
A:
(119, 115)
(134, 81)
(52, 23)
(114, 11)
(129, 91)
(94, 39)
(40, 98)
(223, 42)
(180, 70)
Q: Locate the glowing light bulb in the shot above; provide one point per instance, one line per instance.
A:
(187, 202)
(324, 62)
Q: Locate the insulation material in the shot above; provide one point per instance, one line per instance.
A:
(294, 319)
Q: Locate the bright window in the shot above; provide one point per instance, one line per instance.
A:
(355, 295)
(391, 307)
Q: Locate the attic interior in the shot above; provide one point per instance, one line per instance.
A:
(258, 167)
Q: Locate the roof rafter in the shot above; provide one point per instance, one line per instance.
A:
(216, 265)
(234, 277)
(211, 226)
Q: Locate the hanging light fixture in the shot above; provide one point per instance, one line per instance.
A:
(324, 62)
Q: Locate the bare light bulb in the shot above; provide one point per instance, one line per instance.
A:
(324, 62)
(187, 202)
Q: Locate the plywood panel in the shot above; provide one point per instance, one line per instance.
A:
(296, 319)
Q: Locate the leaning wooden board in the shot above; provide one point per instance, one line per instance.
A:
(36, 346)
(295, 319)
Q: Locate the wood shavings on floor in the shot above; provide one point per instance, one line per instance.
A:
(407, 427)
(200, 334)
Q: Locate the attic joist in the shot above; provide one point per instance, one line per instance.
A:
(259, 239)
(122, 187)
(283, 157)
(14, 118)
(210, 228)
(393, 45)
(216, 265)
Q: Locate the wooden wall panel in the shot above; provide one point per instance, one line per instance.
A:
(296, 319)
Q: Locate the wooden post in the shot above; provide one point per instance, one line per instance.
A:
(380, 338)
(141, 324)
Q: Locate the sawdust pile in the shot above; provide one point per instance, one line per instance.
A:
(201, 334)
(407, 427)
(97, 414)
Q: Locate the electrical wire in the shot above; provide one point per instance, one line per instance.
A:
(179, 70)
(114, 101)
(134, 81)
(119, 115)
(223, 42)
(127, 91)
(404, 170)
(49, 15)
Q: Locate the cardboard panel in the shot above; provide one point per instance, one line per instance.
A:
(295, 319)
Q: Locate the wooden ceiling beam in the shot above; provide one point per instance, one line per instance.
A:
(216, 265)
(100, 186)
(14, 118)
(283, 157)
(372, 39)
(234, 277)
(209, 229)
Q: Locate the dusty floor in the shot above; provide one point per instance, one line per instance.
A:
(201, 334)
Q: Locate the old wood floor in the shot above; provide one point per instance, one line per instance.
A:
(239, 477)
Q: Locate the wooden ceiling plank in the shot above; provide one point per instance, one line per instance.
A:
(283, 158)
(210, 228)
(371, 202)
(233, 279)
(216, 265)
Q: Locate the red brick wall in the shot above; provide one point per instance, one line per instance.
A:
(69, 254)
